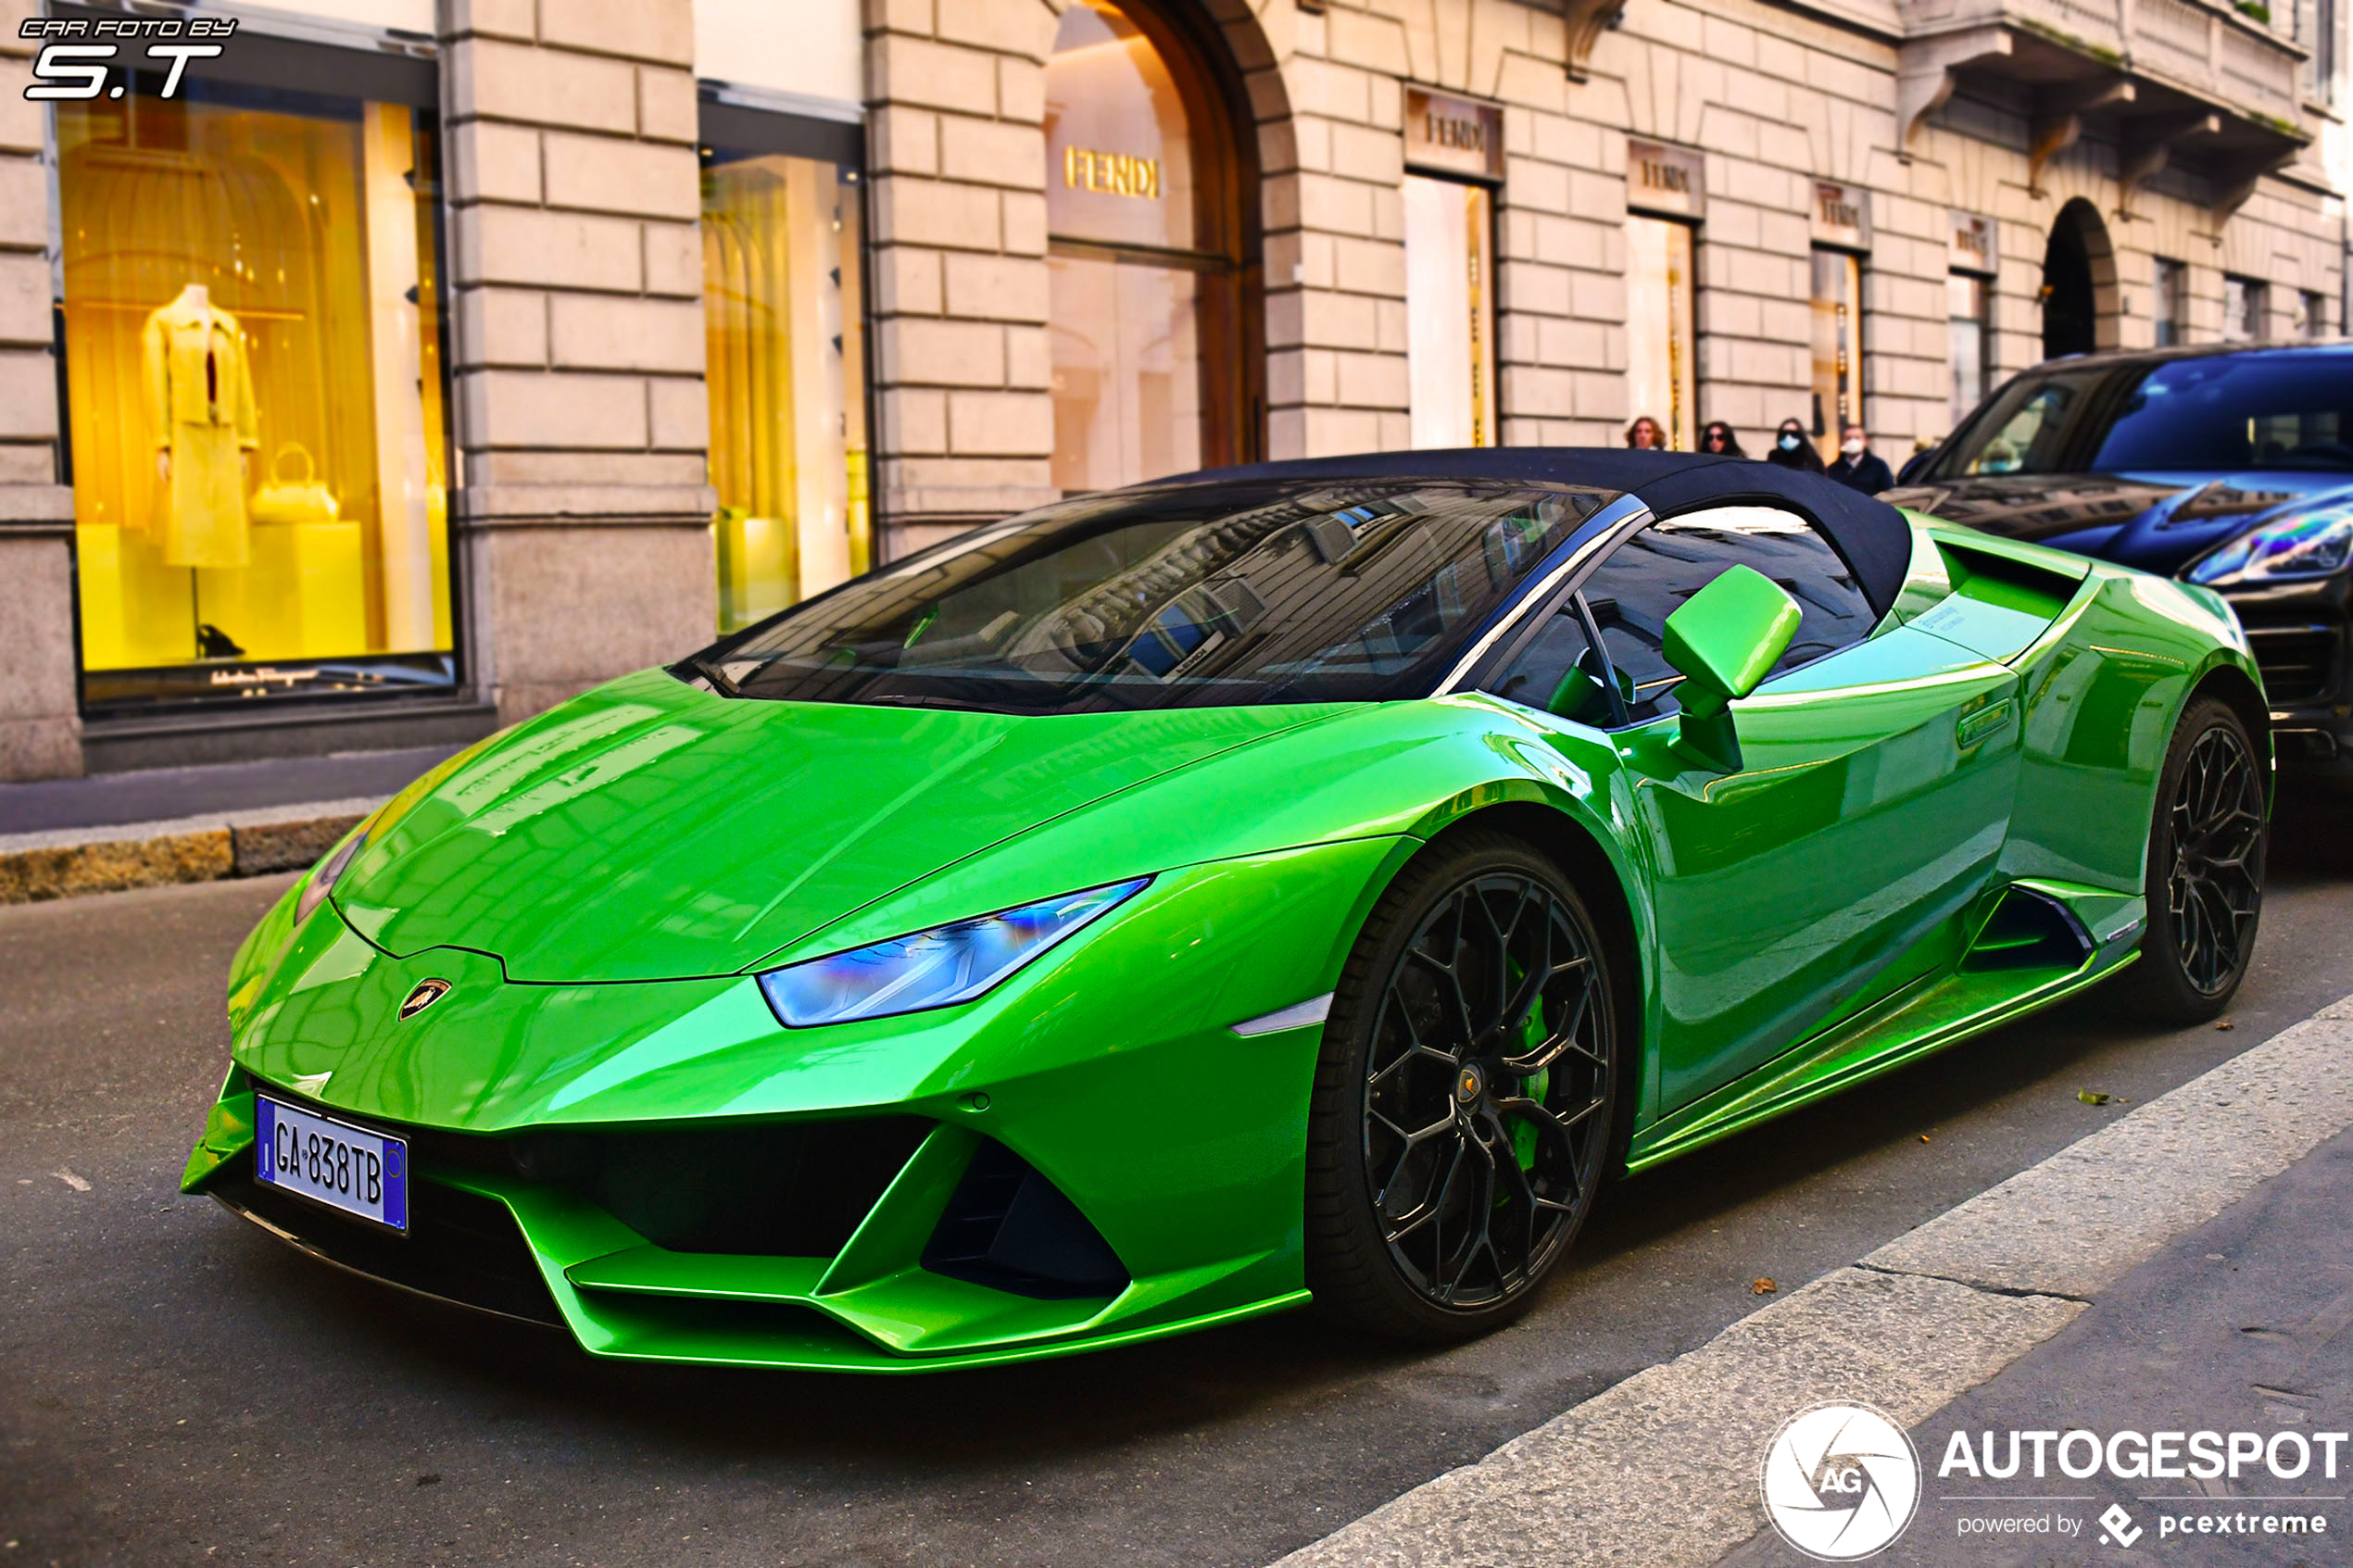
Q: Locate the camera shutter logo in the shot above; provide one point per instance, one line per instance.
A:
(1841, 1481)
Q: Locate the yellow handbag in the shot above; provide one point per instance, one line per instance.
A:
(293, 500)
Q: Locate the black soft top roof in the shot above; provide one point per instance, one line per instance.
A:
(1871, 534)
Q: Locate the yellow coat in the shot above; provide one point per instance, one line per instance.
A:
(199, 399)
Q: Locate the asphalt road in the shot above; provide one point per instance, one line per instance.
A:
(175, 1388)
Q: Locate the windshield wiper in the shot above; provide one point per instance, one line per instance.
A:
(720, 682)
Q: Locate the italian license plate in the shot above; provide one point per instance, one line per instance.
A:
(332, 1162)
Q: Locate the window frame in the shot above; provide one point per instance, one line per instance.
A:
(1491, 659)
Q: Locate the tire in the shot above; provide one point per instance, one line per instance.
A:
(1452, 1157)
(2204, 877)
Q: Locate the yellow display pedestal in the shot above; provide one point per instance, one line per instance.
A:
(304, 596)
(99, 570)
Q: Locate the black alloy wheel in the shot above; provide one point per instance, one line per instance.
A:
(1465, 1102)
(2204, 884)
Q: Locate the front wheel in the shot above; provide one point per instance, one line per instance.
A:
(1464, 1098)
(2205, 879)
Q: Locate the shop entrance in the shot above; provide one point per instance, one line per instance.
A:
(2078, 283)
(1151, 204)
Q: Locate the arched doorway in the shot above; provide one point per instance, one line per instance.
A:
(1151, 200)
(2078, 283)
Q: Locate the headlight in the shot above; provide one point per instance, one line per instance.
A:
(932, 969)
(2311, 544)
(323, 874)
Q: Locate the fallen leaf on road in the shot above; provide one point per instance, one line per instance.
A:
(77, 1182)
(2226, 1023)
(1760, 1286)
(1923, 1138)
(2092, 1096)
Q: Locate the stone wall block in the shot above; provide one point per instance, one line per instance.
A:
(526, 245)
(495, 80)
(931, 74)
(673, 259)
(502, 327)
(546, 410)
(1002, 288)
(1000, 423)
(589, 331)
(604, 174)
(667, 108)
(987, 152)
(638, 30)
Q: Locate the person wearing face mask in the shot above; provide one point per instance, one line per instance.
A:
(1717, 437)
(1791, 448)
(1859, 468)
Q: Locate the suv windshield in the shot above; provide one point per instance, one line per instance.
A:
(2284, 409)
(1193, 596)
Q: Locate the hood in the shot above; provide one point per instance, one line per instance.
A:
(649, 830)
(2158, 522)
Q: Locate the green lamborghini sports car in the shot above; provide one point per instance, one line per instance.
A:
(1313, 880)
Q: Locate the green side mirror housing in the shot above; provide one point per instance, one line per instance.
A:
(1723, 641)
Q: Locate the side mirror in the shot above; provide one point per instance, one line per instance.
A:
(1723, 641)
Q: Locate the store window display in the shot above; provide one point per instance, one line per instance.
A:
(785, 366)
(251, 333)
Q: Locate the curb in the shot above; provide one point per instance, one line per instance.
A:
(36, 867)
(1909, 1328)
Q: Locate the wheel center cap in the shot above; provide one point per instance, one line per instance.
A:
(1470, 1085)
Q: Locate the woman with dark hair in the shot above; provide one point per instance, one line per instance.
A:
(1792, 449)
(1645, 435)
(1717, 437)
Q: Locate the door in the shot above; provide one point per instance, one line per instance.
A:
(1872, 802)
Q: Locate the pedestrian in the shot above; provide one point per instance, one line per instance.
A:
(1859, 468)
(1791, 449)
(1717, 437)
(1644, 435)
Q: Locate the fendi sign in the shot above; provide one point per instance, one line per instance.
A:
(1454, 135)
(1663, 179)
(1111, 174)
(1841, 217)
(1975, 244)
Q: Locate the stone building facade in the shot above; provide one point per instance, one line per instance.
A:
(711, 313)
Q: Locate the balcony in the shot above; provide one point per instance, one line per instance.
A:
(2191, 81)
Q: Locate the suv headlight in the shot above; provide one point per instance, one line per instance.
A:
(2311, 544)
(933, 969)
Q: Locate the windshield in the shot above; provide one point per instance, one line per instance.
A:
(2286, 410)
(1187, 596)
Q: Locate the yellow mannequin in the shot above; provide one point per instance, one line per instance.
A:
(200, 415)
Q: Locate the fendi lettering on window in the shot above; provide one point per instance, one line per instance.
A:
(1975, 244)
(1841, 215)
(1661, 179)
(1453, 135)
(1111, 174)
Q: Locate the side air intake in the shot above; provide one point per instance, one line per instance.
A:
(2030, 930)
(1010, 1229)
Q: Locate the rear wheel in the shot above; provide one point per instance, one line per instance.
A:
(1466, 1096)
(2204, 884)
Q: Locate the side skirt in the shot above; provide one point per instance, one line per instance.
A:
(1934, 1012)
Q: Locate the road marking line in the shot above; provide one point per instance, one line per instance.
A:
(1662, 1469)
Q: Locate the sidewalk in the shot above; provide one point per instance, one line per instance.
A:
(2081, 1294)
(113, 831)
(2237, 1326)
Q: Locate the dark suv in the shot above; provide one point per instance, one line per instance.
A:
(2229, 467)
